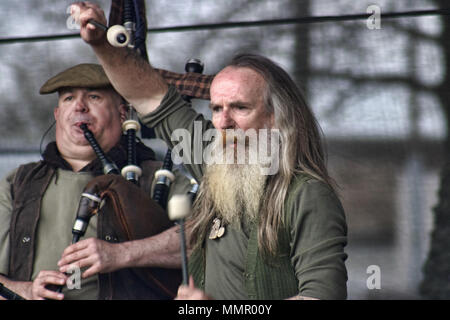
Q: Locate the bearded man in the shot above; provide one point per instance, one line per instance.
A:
(251, 236)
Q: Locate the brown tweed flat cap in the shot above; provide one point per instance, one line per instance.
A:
(85, 75)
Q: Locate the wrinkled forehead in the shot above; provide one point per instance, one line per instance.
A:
(238, 82)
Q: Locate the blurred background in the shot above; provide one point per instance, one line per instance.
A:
(379, 88)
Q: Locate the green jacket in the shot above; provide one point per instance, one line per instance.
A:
(316, 271)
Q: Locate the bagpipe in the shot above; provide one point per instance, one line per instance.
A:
(116, 196)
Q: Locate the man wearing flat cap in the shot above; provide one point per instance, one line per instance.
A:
(39, 200)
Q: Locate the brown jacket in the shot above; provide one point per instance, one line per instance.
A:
(30, 184)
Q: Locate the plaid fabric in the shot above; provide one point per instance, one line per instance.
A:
(193, 85)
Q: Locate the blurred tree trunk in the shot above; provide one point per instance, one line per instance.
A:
(436, 282)
(301, 68)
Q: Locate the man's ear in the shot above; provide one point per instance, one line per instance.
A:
(55, 112)
(123, 110)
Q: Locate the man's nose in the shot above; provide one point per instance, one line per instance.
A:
(226, 121)
(81, 105)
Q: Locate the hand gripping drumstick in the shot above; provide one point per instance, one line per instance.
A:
(117, 35)
(179, 207)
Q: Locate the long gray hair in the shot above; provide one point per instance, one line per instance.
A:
(301, 149)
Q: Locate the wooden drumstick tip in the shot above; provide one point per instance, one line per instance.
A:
(179, 207)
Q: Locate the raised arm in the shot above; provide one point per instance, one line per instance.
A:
(132, 76)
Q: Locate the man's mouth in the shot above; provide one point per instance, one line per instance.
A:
(79, 119)
(81, 126)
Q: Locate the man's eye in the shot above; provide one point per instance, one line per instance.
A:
(68, 98)
(94, 97)
(216, 109)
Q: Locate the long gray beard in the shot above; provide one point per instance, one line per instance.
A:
(234, 190)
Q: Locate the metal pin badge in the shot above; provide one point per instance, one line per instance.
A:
(217, 229)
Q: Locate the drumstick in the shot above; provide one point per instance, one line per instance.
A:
(179, 207)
